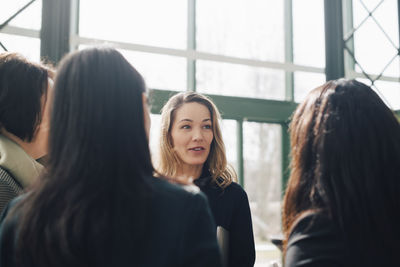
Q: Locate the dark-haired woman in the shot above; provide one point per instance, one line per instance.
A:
(98, 204)
(342, 203)
(25, 88)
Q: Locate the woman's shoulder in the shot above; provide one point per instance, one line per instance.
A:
(166, 189)
(171, 202)
(7, 223)
(312, 226)
(235, 187)
(236, 190)
(232, 196)
(314, 238)
(310, 222)
(12, 204)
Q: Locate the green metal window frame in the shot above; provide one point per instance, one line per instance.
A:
(237, 108)
(55, 42)
(59, 28)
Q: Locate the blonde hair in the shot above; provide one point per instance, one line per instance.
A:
(221, 173)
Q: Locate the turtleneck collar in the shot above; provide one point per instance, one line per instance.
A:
(18, 163)
(204, 179)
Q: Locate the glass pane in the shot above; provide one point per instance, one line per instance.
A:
(359, 12)
(262, 151)
(239, 80)
(30, 18)
(154, 141)
(159, 71)
(228, 129)
(388, 91)
(241, 28)
(369, 38)
(29, 47)
(150, 22)
(308, 33)
(304, 82)
(369, 4)
(386, 15)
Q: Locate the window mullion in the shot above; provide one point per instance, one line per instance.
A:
(240, 169)
(191, 45)
(289, 77)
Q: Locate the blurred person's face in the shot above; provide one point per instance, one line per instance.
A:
(146, 114)
(192, 134)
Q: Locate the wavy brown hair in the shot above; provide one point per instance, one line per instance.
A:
(169, 162)
(345, 149)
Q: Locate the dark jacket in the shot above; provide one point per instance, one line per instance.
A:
(182, 232)
(230, 209)
(315, 241)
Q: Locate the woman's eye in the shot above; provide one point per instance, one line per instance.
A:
(207, 126)
(185, 127)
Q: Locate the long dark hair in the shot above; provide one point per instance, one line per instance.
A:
(345, 148)
(94, 193)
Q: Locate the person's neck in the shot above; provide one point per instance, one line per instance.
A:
(31, 148)
(192, 172)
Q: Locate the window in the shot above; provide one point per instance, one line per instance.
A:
(304, 82)
(308, 33)
(308, 45)
(159, 71)
(27, 46)
(229, 135)
(151, 22)
(262, 180)
(239, 80)
(30, 18)
(21, 34)
(373, 27)
(241, 28)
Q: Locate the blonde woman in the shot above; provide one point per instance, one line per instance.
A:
(191, 148)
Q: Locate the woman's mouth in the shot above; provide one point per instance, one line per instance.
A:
(197, 148)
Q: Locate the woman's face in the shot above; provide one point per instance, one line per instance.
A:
(192, 133)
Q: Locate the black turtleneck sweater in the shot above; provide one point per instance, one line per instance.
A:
(230, 209)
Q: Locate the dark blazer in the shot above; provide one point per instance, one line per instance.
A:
(231, 210)
(182, 232)
(317, 241)
(314, 241)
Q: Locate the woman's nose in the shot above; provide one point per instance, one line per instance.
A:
(197, 135)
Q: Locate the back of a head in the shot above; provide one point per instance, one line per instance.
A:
(95, 190)
(98, 112)
(22, 84)
(345, 162)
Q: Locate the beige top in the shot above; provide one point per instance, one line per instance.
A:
(18, 163)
